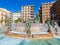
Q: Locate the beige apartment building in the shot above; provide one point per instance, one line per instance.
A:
(46, 11)
(3, 14)
(27, 12)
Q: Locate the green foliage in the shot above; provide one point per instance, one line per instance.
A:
(18, 20)
(37, 19)
(7, 21)
(48, 21)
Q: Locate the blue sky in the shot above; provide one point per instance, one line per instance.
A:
(15, 5)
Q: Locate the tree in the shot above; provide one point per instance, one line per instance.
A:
(48, 21)
(7, 21)
(18, 20)
(15, 21)
(37, 19)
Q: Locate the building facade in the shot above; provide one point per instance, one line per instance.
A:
(46, 13)
(16, 15)
(27, 12)
(57, 11)
(3, 14)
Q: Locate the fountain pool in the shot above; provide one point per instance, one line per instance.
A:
(15, 41)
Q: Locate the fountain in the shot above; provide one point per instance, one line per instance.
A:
(1, 34)
(28, 26)
(16, 41)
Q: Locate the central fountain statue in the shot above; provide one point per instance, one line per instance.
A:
(28, 25)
